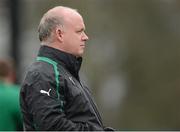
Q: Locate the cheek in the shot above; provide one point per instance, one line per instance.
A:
(73, 41)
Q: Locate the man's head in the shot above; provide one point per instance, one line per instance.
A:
(63, 28)
(7, 73)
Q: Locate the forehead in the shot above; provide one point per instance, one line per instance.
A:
(75, 21)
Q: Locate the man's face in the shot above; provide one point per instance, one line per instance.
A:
(74, 37)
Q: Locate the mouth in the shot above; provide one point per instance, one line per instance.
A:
(82, 45)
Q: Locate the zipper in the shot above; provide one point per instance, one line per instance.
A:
(86, 94)
(92, 103)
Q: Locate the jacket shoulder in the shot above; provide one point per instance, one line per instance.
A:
(39, 70)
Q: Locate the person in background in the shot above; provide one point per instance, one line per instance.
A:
(10, 115)
(52, 94)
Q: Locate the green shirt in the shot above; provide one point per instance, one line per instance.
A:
(10, 116)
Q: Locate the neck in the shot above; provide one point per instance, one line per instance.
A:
(57, 46)
(54, 45)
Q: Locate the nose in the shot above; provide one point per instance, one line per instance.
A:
(85, 37)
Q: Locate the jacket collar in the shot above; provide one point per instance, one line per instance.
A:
(70, 62)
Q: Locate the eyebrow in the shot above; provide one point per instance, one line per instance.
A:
(81, 29)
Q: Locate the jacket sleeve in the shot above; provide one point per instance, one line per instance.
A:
(46, 108)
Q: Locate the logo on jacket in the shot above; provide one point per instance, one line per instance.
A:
(70, 78)
(45, 92)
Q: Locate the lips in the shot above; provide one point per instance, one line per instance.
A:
(82, 45)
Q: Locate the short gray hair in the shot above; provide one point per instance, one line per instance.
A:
(46, 26)
(50, 21)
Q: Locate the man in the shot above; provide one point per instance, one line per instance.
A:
(52, 95)
(10, 115)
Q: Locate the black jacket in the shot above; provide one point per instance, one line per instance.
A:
(52, 96)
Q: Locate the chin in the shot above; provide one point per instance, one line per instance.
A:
(80, 55)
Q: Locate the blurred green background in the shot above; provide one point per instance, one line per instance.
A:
(132, 60)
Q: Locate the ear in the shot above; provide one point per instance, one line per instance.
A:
(59, 34)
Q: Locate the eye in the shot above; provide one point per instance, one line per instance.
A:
(80, 31)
